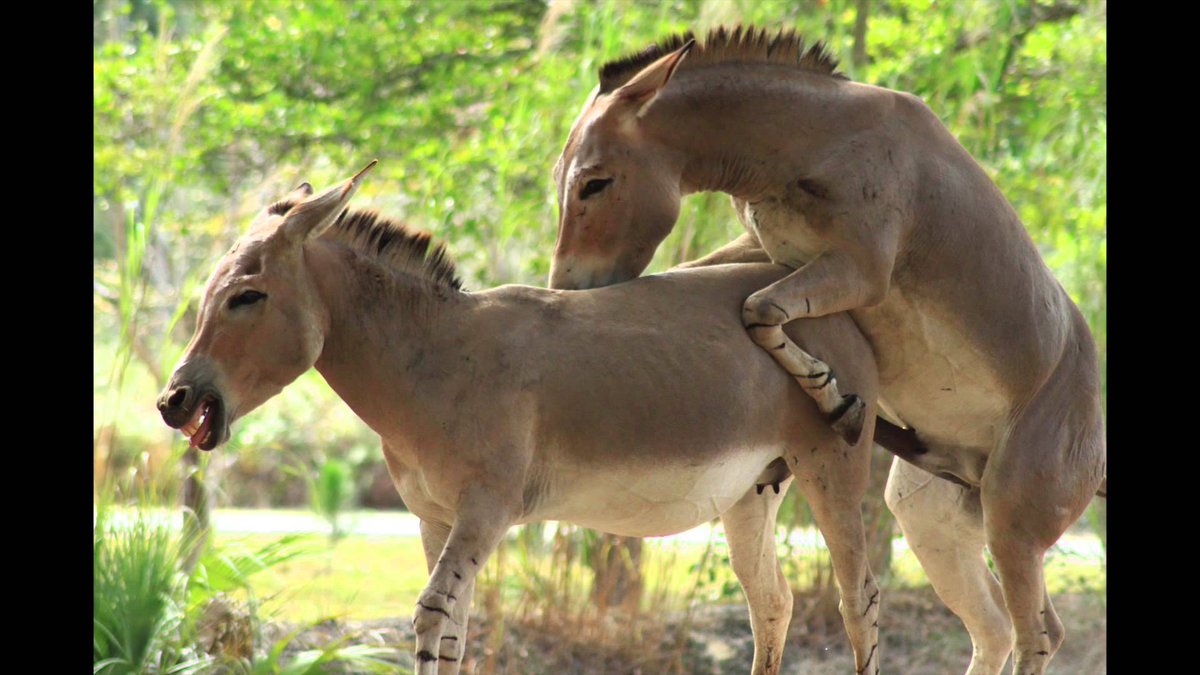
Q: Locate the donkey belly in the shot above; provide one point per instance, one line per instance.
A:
(933, 378)
(647, 500)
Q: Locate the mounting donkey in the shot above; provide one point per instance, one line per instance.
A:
(880, 212)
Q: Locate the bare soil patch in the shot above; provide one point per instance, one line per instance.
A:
(919, 636)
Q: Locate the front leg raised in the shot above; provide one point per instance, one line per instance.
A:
(443, 607)
(826, 285)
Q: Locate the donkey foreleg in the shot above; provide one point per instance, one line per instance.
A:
(454, 639)
(844, 412)
(833, 282)
(750, 531)
(440, 619)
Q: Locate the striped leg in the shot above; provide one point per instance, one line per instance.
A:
(764, 315)
(454, 640)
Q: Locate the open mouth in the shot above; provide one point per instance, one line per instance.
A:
(202, 428)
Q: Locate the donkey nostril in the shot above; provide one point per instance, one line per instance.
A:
(177, 398)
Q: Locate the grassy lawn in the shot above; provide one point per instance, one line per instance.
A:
(366, 577)
(360, 578)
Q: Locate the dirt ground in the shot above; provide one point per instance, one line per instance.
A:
(919, 636)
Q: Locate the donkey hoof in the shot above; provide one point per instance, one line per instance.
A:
(758, 311)
(847, 420)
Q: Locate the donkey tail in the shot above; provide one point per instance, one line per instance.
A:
(1103, 491)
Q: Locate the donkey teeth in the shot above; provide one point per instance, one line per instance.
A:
(201, 430)
(193, 425)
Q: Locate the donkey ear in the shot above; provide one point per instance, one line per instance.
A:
(303, 191)
(310, 217)
(642, 89)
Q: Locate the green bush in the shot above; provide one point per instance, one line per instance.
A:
(139, 596)
(149, 616)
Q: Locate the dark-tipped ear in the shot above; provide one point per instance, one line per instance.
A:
(641, 90)
(310, 217)
(303, 191)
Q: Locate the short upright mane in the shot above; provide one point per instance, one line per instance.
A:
(739, 45)
(395, 245)
(391, 242)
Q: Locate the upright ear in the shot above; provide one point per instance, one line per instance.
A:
(303, 191)
(644, 87)
(310, 217)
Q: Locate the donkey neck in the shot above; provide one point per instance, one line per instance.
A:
(386, 335)
(746, 129)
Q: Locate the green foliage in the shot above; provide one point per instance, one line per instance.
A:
(275, 661)
(138, 591)
(148, 613)
(228, 568)
(331, 493)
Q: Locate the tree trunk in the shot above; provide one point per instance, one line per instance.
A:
(878, 521)
(860, 34)
(617, 572)
(1099, 518)
(197, 517)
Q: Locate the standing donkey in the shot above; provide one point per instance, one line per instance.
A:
(878, 209)
(639, 410)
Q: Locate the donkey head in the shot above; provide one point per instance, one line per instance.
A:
(618, 191)
(261, 322)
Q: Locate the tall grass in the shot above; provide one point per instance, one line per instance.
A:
(139, 598)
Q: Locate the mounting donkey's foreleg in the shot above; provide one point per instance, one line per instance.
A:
(750, 531)
(826, 285)
(854, 271)
(442, 609)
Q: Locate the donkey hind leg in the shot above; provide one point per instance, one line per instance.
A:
(454, 640)
(943, 525)
(764, 318)
(1058, 434)
(750, 531)
(834, 486)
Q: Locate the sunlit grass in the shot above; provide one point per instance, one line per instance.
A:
(359, 578)
(1065, 572)
(366, 578)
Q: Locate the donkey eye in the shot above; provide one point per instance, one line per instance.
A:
(246, 298)
(593, 186)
